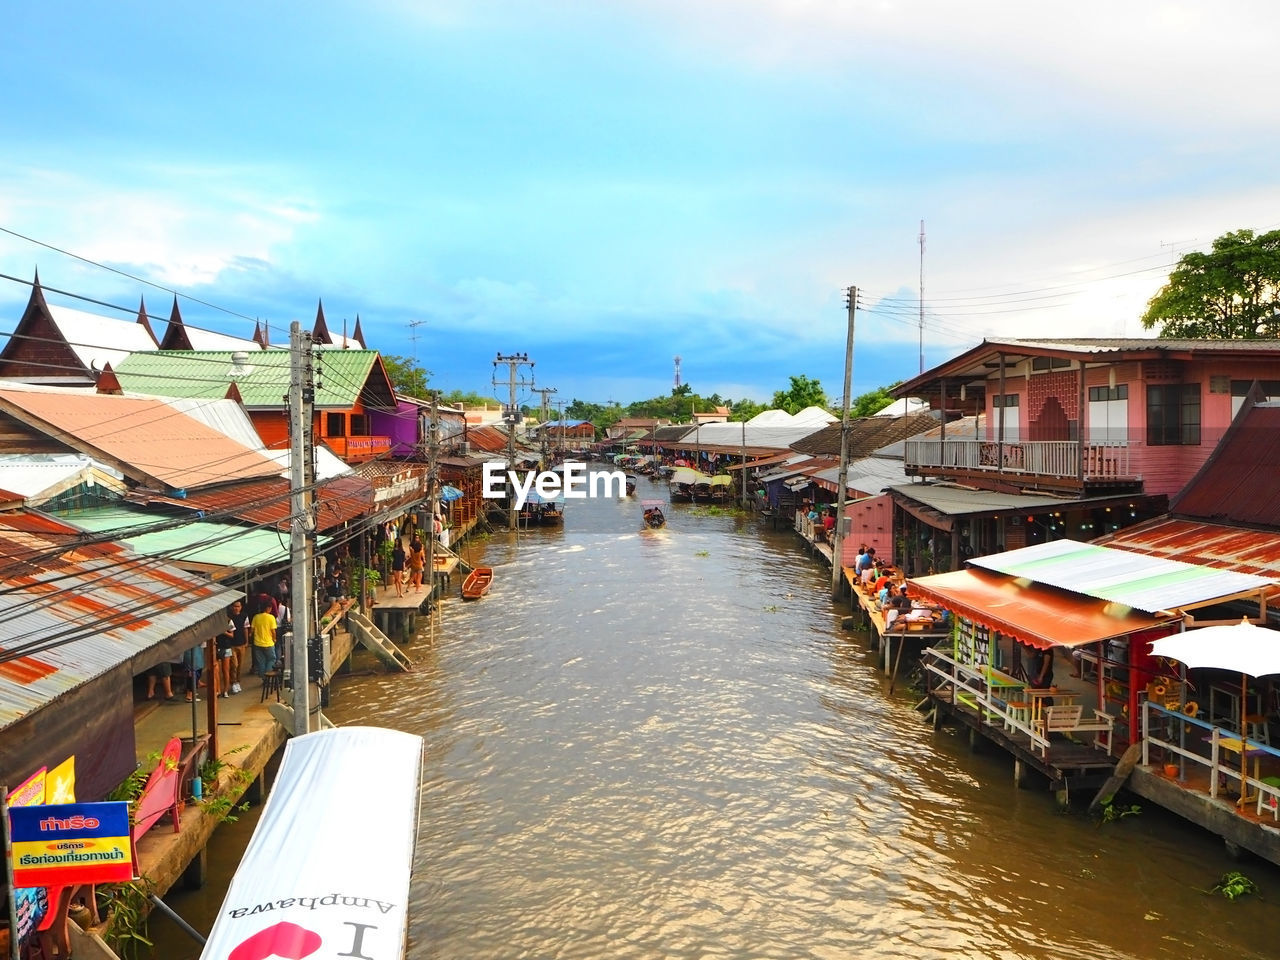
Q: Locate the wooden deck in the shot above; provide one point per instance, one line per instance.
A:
(909, 634)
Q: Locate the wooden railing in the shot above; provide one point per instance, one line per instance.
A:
(1039, 458)
(358, 449)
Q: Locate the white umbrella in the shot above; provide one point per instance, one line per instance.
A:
(1251, 651)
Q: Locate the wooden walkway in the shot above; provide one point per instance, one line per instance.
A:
(907, 632)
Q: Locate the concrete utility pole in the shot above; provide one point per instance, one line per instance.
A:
(433, 450)
(837, 532)
(512, 413)
(302, 397)
(546, 412)
(560, 420)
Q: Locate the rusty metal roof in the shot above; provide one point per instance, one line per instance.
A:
(266, 502)
(1196, 541)
(141, 436)
(70, 611)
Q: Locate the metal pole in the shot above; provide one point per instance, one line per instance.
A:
(743, 479)
(8, 873)
(172, 914)
(301, 395)
(433, 442)
(837, 537)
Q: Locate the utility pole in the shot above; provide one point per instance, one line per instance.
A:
(512, 413)
(944, 415)
(837, 532)
(560, 420)
(546, 412)
(302, 397)
(433, 450)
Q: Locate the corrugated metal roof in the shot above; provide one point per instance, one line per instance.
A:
(955, 501)
(97, 340)
(262, 379)
(266, 502)
(1196, 541)
(159, 444)
(207, 544)
(1152, 584)
(95, 606)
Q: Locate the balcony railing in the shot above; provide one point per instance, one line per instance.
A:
(1032, 458)
(359, 449)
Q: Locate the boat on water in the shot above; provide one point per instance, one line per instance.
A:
(281, 900)
(631, 484)
(683, 485)
(654, 518)
(540, 511)
(721, 487)
(477, 583)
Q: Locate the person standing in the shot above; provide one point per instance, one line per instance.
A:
(193, 660)
(239, 643)
(263, 627)
(417, 562)
(397, 567)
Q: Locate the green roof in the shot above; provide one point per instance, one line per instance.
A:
(345, 376)
(224, 546)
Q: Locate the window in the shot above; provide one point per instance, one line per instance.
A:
(1049, 363)
(1004, 400)
(359, 425)
(1118, 392)
(1173, 415)
(335, 424)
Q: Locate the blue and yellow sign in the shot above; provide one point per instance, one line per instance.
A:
(71, 843)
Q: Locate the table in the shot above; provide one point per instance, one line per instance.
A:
(1038, 695)
(1001, 688)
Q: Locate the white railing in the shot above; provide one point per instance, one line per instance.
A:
(968, 685)
(1155, 721)
(1042, 458)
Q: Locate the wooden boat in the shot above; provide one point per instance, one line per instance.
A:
(631, 484)
(654, 518)
(477, 583)
(684, 482)
(721, 486)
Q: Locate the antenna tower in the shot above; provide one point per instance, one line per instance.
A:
(677, 372)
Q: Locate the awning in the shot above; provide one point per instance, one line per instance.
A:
(449, 493)
(1033, 614)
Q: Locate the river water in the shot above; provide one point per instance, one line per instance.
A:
(662, 745)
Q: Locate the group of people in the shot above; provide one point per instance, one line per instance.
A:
(823, 519)
(890, 594)
(252, 642)
(412, 561)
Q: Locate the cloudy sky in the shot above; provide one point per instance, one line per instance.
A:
(607, 185)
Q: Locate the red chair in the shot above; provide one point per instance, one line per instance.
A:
(159, 796)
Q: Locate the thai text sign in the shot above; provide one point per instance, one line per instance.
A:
(71, 843)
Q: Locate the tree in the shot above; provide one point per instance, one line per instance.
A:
(1230, 293)
(743, 410)
(802, 393)
(407, 377)
(873, 401)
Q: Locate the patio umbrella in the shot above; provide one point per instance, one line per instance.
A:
(1251, 651)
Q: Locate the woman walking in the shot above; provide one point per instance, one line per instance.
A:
(417, 561)
(397, 567)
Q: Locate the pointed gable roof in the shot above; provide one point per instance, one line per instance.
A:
(145, 321)
(357, 335)
(320, 333)
(59, 345)
(175, 334)
(107, 382)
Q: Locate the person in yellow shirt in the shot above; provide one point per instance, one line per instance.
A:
(263, 630)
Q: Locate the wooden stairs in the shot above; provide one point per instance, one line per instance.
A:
(365, 632)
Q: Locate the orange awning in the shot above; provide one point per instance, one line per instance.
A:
(1033, 614)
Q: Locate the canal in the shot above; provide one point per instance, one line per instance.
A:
(663, 745)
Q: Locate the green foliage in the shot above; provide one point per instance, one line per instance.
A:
(131, 788)
(407, 377)
(873, 401)
(1111, 812)
(1230, 293)
(1233, 885)
(456, 397)
(127, 906)
(802, 393)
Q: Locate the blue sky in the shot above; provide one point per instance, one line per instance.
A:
(607, 185)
